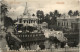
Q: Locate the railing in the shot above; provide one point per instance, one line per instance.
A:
(73, 49)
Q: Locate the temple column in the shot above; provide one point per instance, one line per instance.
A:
(30, 21)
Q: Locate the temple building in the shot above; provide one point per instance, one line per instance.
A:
(27, 19)
(30, 40)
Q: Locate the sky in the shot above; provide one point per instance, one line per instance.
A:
(63, 6)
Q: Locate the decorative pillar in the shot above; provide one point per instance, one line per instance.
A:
(52, 48)
(66, 47)
(7, 48)
(29, 21)
(0, 50)
(21, 49)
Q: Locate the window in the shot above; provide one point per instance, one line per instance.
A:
(27, 21)
(23, 35)
(24, 21)
(58, 23)
(36, 35)
(62, 23)
(19, 35)
(34, 21)
(27, 35)
(67, 24)
(20, 20)
(30, 35)
(31, 21)
(33, 35)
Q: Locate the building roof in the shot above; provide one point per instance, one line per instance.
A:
(27, 37)
(68, 17)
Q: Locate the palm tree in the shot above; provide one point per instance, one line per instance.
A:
(70, 13)
(4, 11)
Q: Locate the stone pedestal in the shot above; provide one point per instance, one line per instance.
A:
(0, 50)
(21, 49)
(66, 47)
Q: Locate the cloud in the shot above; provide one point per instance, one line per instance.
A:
(45, 5)
(14, 12)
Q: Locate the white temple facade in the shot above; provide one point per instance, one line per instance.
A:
(27, 19)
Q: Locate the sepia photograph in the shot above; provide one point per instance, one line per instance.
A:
(39, 25)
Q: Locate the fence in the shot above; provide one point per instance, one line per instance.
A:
(74, 49)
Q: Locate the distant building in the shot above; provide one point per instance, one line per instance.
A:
(73, 24)
(76, 25)
(66, 21)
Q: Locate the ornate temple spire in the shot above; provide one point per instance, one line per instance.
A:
(26, 11)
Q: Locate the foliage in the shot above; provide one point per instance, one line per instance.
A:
(40, 14)
(4, 8)
(12, 42)
(76, 13)
(8, 21)
(53, 39)
(30, 28)
(70, 13)
(42, 46)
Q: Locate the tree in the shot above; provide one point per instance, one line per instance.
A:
(51, 14)
(70, 13)
(30, 28)
(47, 19)
(12, 42)
(8, 21)
(4, 11)
(76, 13)
(42, 46)
(54, 17)
(53, 39)
(40, 15)
(56, 13)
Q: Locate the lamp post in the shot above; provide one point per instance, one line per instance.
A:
(66, 46)
(0, 50)
(52, 48)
